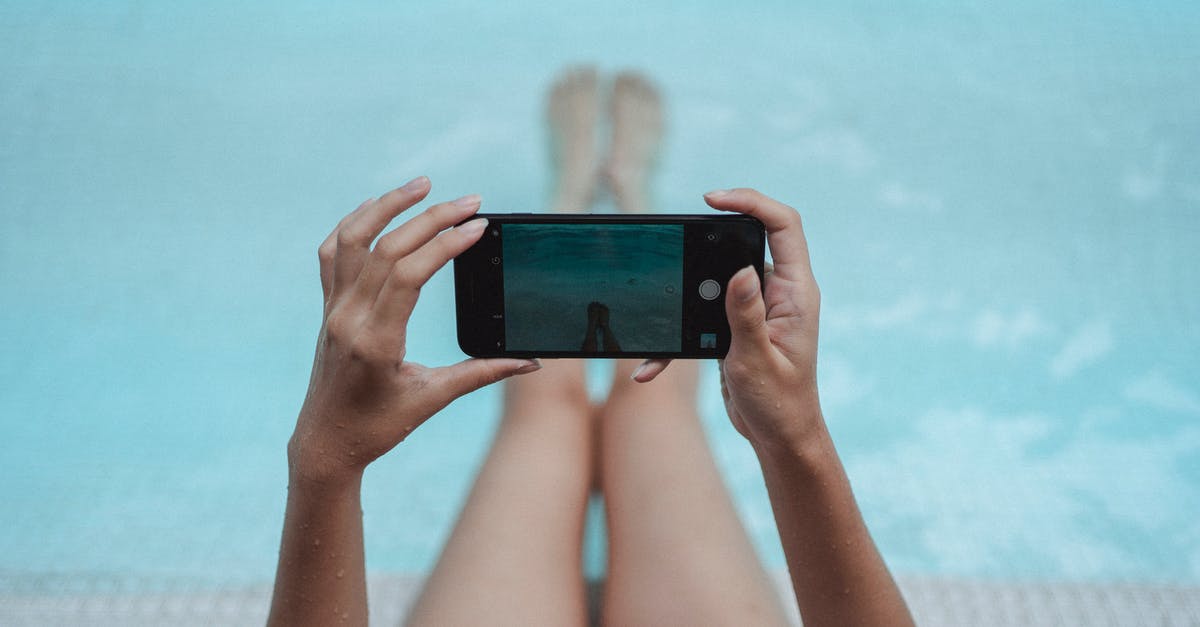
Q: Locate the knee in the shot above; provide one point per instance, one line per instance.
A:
(550, 391)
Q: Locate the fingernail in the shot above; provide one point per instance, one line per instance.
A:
(636, 371)
(532, 365)
(474, 227)
(415, 184)
(748, 289)
(469, 200)
(717, 193)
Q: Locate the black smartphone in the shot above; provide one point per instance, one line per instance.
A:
(571, 285)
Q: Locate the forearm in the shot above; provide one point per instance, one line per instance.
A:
(364, 397)
(321, 578)
(837, 573)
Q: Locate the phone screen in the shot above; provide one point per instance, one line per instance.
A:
(593, 287)
(601, 286)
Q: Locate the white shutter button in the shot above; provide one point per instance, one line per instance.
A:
(709, 289)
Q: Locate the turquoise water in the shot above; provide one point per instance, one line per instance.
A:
(1003, 205)
(555, 274)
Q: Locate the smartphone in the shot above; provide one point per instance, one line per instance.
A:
(584, 285)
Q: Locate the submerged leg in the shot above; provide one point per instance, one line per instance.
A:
(637, 131)
(515, 555)
(571, 114)
(678, 554)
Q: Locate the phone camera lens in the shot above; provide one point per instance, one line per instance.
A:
(495, 261)
(712, 236)
(495, 232)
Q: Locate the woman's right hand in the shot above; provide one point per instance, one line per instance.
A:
(769, 381)
(769, 377)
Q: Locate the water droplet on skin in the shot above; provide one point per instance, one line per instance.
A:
(345, 615)
(317, 542)
(778, 404)
(341, 573)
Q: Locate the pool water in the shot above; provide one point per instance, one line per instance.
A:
(1002, 203)
(557, 279)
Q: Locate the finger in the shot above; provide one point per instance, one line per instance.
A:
(721, 376)
(785, 232)
(355, 237)
(415, 233)
(408, 237)
(451, 382)
(649, 369)
(327, 249)
(747, 314)
(399, 293)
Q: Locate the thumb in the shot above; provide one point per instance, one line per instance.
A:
(746, 312)
(467, 376)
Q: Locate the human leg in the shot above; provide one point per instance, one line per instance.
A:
(571, 113)
(677, 551)
(637, 130)
(678, 554)
(514, 556)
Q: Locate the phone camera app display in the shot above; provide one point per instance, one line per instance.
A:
(593, 287)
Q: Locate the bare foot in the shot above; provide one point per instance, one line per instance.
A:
(571, 111)
(637, 124)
